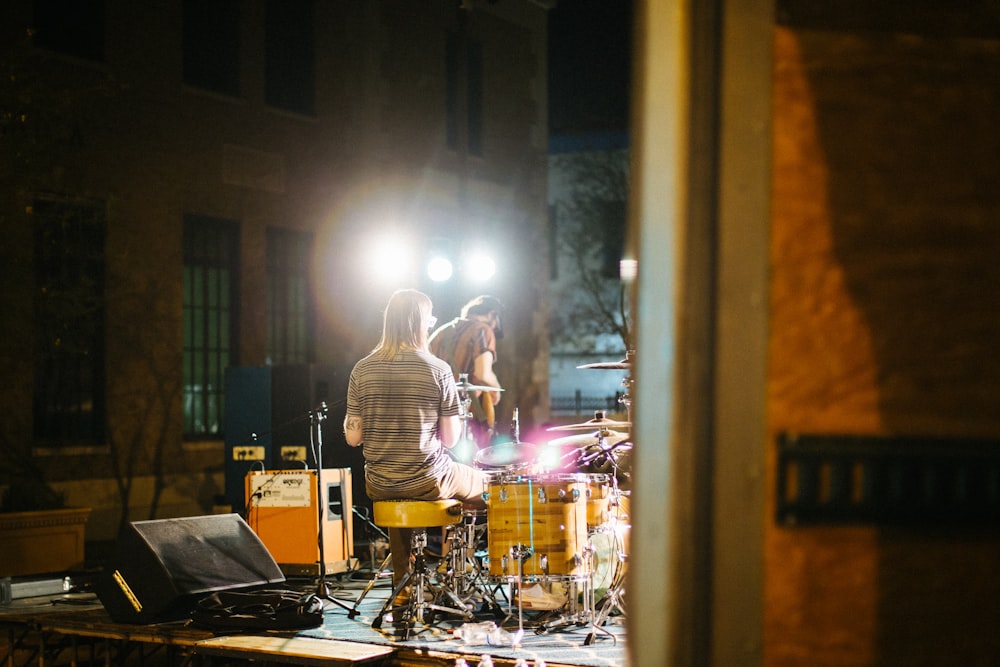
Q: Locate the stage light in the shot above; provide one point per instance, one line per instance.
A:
(389, 259)
(628, 269)
(464, 451)
(479, 267)
(439, 269)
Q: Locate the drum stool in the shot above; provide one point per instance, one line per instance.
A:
(418, 515)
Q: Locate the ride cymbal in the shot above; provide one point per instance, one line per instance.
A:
(466, 386)
(622, 365)
(605, 436)
(597, 422)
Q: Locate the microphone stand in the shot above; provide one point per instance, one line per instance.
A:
(318, 416)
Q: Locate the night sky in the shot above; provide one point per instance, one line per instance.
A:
(589, 66)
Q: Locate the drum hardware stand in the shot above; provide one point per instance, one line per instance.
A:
(464, 582)
(413, 611)
(521, 553)
(612, 599)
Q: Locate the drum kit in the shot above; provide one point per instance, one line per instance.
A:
(555, 532)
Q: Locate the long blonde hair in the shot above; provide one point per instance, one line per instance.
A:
(403, 323)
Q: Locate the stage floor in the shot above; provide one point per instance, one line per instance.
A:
(555, 638)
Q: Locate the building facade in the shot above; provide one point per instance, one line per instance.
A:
(193, 187)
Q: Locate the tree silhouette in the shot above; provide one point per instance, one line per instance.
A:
(589, 297)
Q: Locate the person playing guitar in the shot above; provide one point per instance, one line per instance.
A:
(469, 344)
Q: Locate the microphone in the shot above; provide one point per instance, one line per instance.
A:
(515, 427)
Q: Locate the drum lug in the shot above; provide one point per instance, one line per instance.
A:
(541, 494)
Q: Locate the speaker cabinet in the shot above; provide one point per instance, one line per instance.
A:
(282, 510)
(247, 427)
(162, 567)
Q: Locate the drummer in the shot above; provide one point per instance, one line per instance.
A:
(402, 408)
(469, 344)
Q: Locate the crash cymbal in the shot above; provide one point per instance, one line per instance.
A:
(466, 386)
(597, 422)
(583, 439)
(622, 365)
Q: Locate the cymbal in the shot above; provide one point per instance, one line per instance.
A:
(584, 439)
(622, 365)
(466, 386)
(600, 423)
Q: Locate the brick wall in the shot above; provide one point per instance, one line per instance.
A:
(884, 321)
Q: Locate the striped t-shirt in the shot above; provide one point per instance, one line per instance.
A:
(399, 402)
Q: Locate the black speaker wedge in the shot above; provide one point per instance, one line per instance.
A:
(162, 567)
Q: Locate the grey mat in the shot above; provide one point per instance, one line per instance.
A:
(552, 637)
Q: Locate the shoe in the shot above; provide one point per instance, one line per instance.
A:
(402, 597)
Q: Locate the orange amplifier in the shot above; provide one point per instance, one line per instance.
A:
(282, 510)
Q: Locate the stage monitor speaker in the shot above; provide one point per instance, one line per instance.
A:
(162, 567)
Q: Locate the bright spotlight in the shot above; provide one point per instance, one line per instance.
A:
(464, 451)
(389, 260)
(480, 267)
(628, 269)
(439, 269)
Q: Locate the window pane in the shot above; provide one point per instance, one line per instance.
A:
(210, 252)
(68, 395)
(211, 44)
(74, 27)
(291, 63)
(475, 98)
(289, 317)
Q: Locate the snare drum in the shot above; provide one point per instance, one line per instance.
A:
(540, 522)
(511, 458)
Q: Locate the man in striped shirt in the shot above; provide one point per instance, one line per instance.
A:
(402, 408)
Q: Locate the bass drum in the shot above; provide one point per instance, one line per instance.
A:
(537, 526)
(609, 548)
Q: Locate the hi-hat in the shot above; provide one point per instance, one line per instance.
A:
(466, 386)
(622, 365)
(595, 423)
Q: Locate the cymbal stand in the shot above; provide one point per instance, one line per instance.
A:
(466, 413)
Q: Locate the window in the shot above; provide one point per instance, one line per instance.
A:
(211, 43)
(474, 98)
(463, 94)
(290, 49)
(68, 396)
(73, 27)
(289, 297)
(210, 315)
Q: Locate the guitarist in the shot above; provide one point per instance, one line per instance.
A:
(469, 344)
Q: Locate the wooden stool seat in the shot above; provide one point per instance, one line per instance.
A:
(417, 513)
